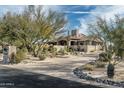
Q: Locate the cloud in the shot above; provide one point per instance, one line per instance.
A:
(79, 12)
(12, 8)
(52, 7)
(20, 8)
(106, 12)
(83, 26)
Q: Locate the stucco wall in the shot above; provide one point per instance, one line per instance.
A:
(59, 47)
(12, 49)
(92, 48)
(86, 48)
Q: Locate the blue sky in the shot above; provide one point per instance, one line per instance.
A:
(78, 15)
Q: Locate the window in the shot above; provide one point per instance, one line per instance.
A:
(93, 43)
(72, 43)
(81, 43)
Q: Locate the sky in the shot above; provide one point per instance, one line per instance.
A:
(78, 16)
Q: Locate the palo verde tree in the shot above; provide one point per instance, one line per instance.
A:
(110, 32)
(31, 28)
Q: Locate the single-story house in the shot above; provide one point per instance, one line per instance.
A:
(79, 42)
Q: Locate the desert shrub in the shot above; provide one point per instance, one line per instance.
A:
(12, 58)
(51, 48)
(20, 55)
(55, 49)
(1, 50)
(42, 56)
(67, 49)
(92, 63)
(92, 50)
(71, 50)
(105, 56)
(24, 50)
(88, 67)
(61, 51)
(100, 65)
(64, 51)
(44, 49)
(120, 53)
(52, 51)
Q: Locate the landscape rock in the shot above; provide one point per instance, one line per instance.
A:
(80, 74)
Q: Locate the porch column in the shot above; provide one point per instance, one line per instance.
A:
(69, 43)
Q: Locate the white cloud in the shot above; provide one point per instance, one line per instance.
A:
(52, 7)
(14, 9)
(83, 26)
(79, 12)
(106, 12)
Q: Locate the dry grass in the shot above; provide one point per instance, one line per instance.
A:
(88, 67)
(100, 65)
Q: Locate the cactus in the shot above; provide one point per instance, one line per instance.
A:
(110, 70)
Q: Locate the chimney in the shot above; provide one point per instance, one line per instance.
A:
(75, 33)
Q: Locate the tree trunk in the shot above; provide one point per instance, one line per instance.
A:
(105, 47)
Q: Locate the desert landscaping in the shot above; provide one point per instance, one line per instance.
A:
(60, 67)
(38, 49)
(63, 67)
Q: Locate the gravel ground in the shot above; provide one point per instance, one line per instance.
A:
(50, 73)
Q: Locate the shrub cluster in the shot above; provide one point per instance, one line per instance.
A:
(88, 67)
(18, 57)
(100, 65)
(105, 57)
(42, 56)
(62, 51)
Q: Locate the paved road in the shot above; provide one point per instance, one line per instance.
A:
(44, 75)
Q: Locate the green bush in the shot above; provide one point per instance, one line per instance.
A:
(88, 67)
(1, 50)
(62, 52)
(52, 51)
(13, 58)
(20, 55)
(67, 49)
(24, 50)
(105, 56)
(42, 56)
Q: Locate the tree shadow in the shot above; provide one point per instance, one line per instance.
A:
(14, 78)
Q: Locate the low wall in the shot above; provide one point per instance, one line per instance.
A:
(59, 47)
(12, 49)
(92, 48)
(86, 48)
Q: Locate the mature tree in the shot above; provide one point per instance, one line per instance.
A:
(118, 37)
(32, 28)
(110, 32)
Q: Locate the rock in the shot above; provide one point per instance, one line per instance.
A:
(80, 74)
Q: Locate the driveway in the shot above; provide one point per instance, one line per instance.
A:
(50, 73)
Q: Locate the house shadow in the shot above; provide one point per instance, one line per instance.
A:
(14, 78)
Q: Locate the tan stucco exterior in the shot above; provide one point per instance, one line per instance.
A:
(79, 42)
